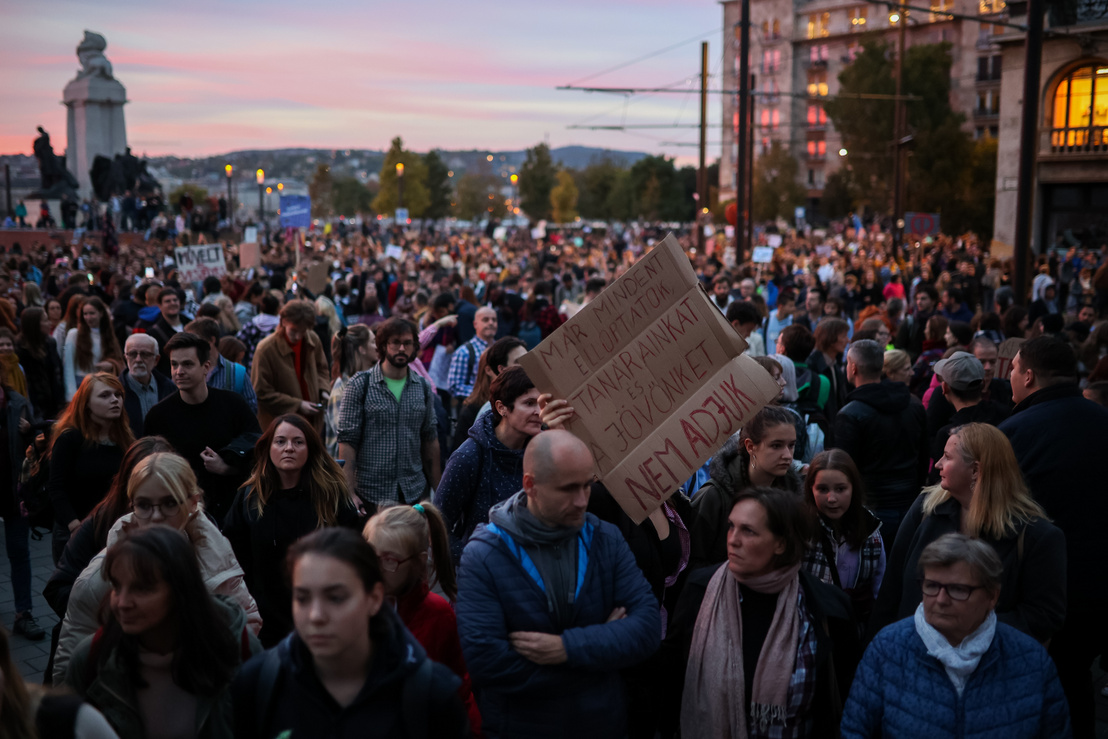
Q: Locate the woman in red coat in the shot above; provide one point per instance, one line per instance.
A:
(404, 537)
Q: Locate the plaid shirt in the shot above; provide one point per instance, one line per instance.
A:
(799, 721)
(222, 377)
(816, 563)
(387, 436)
(461, 381)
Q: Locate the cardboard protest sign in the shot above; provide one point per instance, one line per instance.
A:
(249, 256)
(317, 277)
(656, 376)
(1006, 352)
(194, 263)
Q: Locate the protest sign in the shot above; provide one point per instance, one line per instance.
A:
(249, 256)
(296, 211)
(317, 277)
(656, 376)
(194, 263)
(1006, 352)
(774, 240)
(250, 234)
(763, 254)
(392, 251)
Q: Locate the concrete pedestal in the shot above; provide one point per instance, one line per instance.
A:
(94, 124)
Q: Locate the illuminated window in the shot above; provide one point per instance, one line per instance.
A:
(765, 29)
(817, 83)
(819, 25)
(817, 116)
(776, 28)
(858, 18)
(1081, 106)
(986, 7)
(939, 8)
(817, 149)
(818, 53)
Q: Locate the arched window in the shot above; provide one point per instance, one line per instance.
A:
(1080, 110)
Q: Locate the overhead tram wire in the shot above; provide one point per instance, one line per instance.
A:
(643, 58)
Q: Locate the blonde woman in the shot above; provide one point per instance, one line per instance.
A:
(898, 366)
(162, 491)
(296, 488)
(982, 494)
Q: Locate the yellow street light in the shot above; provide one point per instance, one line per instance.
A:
(269, 191)
(400, 169)
(261, 176)
(515, 178)
(280, 186)
(228, 170)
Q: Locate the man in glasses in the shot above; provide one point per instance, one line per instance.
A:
(143, 385)
(953, 669)
(386, 427)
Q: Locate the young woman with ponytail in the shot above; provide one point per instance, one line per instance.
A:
(352, 350)
(405, 538)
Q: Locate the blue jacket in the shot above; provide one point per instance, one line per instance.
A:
(480, 474)
(901, 691)
(584, 697)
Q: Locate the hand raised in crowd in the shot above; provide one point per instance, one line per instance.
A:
(214, 463)
(555, 413)
(308, 409)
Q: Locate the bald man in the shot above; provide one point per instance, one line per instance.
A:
(551, 605)
(143, 385)
(463, 365)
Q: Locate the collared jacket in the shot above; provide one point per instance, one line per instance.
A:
(902, 692)
(1033, 583)
(110, 689)
(274, 376)
(221, 571)
(1058, 436)
(131, 404)
(498, 594)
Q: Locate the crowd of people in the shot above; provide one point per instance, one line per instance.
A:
(288, 509)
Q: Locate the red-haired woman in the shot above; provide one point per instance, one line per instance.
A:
(86, 449)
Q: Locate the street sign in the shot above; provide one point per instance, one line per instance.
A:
(401, 215)
(924, 224)
(296, 211)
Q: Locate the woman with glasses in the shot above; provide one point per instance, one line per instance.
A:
(162, 491)
(405, 538)
(953, 668)
(295, 488)
(981, 494)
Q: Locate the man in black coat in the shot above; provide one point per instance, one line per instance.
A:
(883, 427)
(1059, 440)
(170, 322)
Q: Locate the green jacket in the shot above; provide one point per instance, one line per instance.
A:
(111, 692)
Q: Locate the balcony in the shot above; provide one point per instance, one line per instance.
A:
(985, 113)
(1079, 141)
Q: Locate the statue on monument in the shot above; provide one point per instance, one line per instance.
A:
(56, 180)
(90, 52)
(122, 173)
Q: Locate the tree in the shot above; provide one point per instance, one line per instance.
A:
(659, 194)
(440, 190)
(196, 192)
(563, 198)
(595, 185)
(536, 180)
(838, 195)
(416, 198)
(351, 197)
(321, 191)
(776, 191)
(477, 193)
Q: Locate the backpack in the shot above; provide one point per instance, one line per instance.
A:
(34, 502)
(412, 706)
(530, 333)
(810, 405)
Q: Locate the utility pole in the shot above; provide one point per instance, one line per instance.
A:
(702, 173)
(1029, 134)
(898, 135)
(749, 173)
(743, 214)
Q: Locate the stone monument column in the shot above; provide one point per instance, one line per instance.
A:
(94, 100)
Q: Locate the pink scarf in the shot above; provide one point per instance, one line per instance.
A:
(714, 703)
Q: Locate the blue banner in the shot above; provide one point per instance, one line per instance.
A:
(296, 211)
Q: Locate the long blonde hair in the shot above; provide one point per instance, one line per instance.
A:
(1001, 503)
(171, 470)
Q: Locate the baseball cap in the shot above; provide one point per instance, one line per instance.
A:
(961, 370)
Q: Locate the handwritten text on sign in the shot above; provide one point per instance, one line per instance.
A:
(194, 263)
(656, 376)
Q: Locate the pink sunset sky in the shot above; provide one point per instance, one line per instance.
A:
(209, 77)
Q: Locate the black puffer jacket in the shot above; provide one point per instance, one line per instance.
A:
(883, 428)
(713, 502)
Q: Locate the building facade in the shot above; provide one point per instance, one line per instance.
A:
(1071, 157)
(798, 49)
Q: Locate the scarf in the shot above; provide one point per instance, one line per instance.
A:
(714, 703)
(962, 660)
(9, 366)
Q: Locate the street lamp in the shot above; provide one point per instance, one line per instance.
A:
(399, 185)
(261, 198)
(230, 208)
(515, 187)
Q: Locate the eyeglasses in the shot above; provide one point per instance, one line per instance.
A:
(139, 355)
(390, 563)
(956, 591)
(144, 509)
(401, 344)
